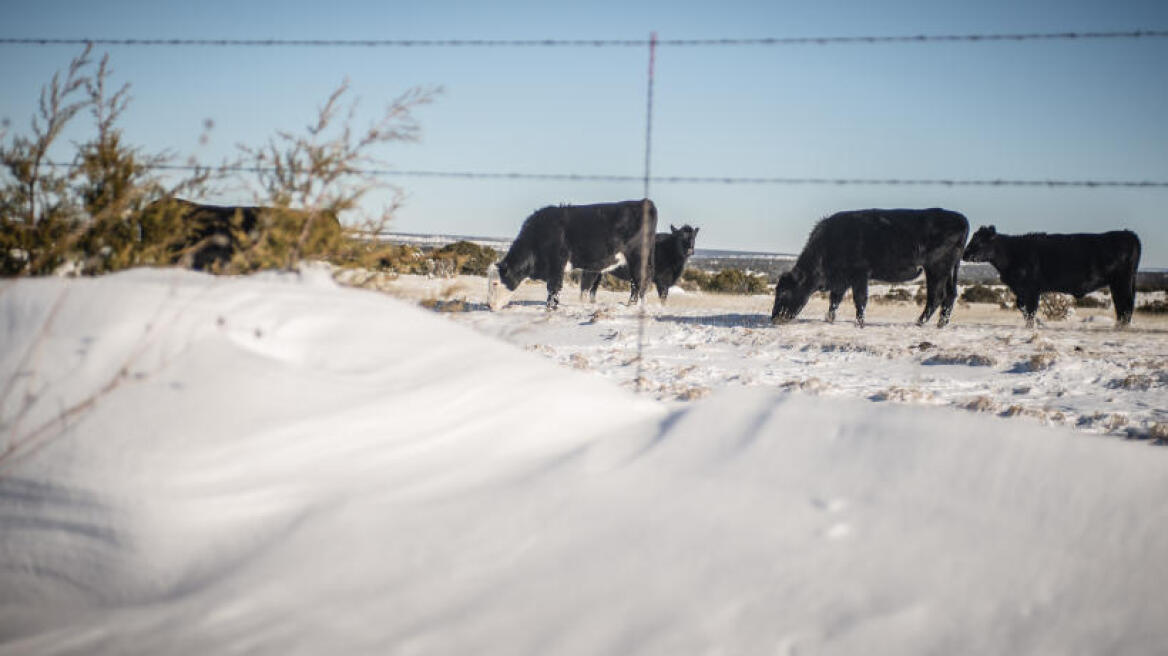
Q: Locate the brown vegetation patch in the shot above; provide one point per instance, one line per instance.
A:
(1106, 420)
(903, 395)
(1139, 382)
(1158, 306)
(811, 384)
(445, 305)
(982, 294)
(1055, 306)
(980, 404)
(1035, 363)
(726, 281)
(967, 359)
(693, 393)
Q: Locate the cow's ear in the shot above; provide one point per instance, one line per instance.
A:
(993, 230)
(671, 228)
(696, 231)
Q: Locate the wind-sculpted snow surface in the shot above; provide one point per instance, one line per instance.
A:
(274, 465)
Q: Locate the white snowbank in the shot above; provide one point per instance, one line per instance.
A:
(263, 465)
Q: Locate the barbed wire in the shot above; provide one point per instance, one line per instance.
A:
(731, 180)
(684, 179)
(596, 43)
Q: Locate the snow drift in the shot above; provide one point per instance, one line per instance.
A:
(276, 465)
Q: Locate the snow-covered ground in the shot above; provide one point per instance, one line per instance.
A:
(275, 465)
(1079, 372)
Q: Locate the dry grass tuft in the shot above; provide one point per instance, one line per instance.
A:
(980, 404)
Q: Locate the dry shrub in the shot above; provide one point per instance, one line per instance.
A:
(101, 213)
(895, 295)
(1092, 302)
(445, 305)
(1138, 382)
(1055, 306)
(1159, 431)
(980, 404)
(693, 393)
(726, 281)
(967, 359)
(1019, 410)
(1009, 301)
(810, 384)
(465, 258)
(903, 395)
(85, 216)
(601, 314)
(1107, 420)
(321, 172)
(1037, 362)
(980, 293)
(1158, 306)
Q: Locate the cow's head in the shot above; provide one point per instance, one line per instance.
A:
(684, 237)
(791, 294)
(502, 279)
(497, 293)
(981, 247)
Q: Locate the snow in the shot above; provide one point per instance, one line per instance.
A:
(1079, 373)
(279, 465)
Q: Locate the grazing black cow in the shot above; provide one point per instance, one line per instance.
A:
(596, 237)
(212, 231)
(847, 248)
(670, 252)
(1075, 264)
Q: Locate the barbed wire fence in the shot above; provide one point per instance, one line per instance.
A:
(684, 179)
(646, 206)
(599, 43)
(652, 43)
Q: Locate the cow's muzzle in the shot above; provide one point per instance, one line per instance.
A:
(497, 293)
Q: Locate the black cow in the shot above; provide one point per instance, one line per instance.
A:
(670, 252)
(596, 237)
(1075, 264)
(847, 248)
(212, 232)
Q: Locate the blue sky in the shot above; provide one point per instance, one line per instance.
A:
(1030, 110)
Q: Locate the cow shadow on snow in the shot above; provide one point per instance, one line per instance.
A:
(719, 320)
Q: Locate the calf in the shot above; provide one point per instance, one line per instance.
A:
(847, 248)
(1075, 264)
(595, 238)
(670, 252)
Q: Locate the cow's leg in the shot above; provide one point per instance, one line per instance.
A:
(595, 286)
(555, 282)
(1028, 304)
(637, 293)
(662, 293)
(950, 297)
(590, 282)
(585, 283)
(1123, 294)
(835, 297)
(934, 293)
(860, 297)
